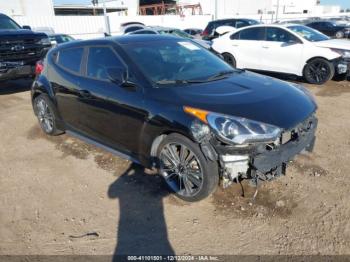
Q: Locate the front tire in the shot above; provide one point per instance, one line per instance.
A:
(230, 59)
(185, 169)
(339, 34)
(46, 113)
(318, 71)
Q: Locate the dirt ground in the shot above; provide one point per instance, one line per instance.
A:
(61, 196)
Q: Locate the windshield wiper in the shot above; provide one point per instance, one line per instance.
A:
(221, 75)
(218, 76)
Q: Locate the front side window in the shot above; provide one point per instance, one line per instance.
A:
(274, 34)
(174, 60)
(100, 60)
(132, 29)
(257, 34)
(8, 24)
(328, 24)
(70, 59)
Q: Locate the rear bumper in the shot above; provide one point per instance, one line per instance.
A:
(17, 72)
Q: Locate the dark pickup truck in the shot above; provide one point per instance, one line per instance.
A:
(20, 49)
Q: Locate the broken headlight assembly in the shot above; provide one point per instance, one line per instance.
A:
(344, 53)
(236, 130)
(241, 130)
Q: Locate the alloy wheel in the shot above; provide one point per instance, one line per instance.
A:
(318, 71)
(44, 115)
(181, 169)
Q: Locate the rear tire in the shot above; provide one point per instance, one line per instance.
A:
(185, 169)
(47, 115)
(318, 71)
(230, 59)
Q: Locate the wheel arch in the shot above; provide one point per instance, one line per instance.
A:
(313, 58)
(149, 146)
(42, 86)
(317, 57)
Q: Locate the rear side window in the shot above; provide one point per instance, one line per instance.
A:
(70, 59)
(100, 60)
(240, 24)
(255, 34)
(228, 23)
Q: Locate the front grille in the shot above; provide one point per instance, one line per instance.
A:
(300, 130)
(20, 50)
(27, 53)
(11, 42)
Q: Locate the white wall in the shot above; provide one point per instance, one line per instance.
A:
(27, 7)
(250, 8)
(87, 27)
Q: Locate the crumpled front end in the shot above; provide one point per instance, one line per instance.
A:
(262, 162)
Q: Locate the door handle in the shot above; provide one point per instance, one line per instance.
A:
(234, 44)
(85, 93)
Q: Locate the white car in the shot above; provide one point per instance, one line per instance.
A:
(290, 48)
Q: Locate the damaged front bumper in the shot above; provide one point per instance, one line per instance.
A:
(264, 162)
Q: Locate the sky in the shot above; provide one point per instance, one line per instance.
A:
(343, 3)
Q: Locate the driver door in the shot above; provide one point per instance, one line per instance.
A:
(110, 113)
(281, 51)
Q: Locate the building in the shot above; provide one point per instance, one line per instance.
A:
(27, 7)
(86, 10)
(251, 8)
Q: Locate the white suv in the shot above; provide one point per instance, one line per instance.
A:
(291, 49)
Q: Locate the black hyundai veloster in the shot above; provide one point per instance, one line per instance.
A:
(167, 103)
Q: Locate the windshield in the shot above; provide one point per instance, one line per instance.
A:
(176, 32)
(174, 61)
(308, 33)
(8, 24)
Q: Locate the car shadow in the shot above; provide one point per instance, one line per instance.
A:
(142, 229)
(15, 86)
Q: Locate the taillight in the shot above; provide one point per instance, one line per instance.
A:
(39, 67)
(205, 32)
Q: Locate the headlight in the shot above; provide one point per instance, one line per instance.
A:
(236, 130)
(44, 41)
(343, 53)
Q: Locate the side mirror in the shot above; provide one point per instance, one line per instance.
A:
(27, 27)
(119, 76)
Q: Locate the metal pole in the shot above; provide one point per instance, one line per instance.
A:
(278, 9)
(216, 9)
(107, 26)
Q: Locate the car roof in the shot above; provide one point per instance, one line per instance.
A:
(122, 40)
(232, 19)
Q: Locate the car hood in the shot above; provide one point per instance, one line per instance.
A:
(334, 43)
(247, 95)
(21, 33)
